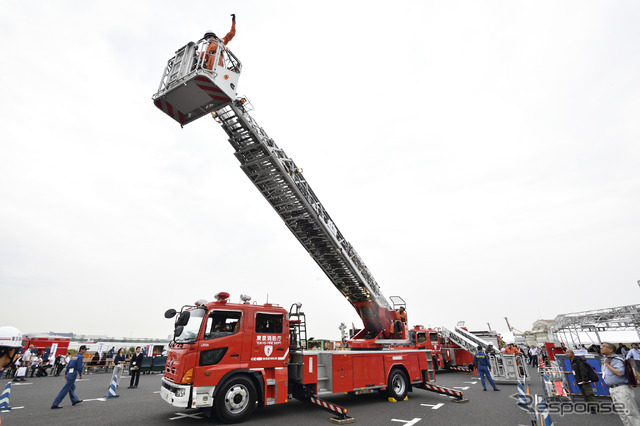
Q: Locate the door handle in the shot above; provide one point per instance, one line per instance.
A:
(280, 349)
(235, 355)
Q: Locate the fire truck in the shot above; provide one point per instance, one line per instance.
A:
(229, 358)
(55, 345)
(445, 353)
(455, 349)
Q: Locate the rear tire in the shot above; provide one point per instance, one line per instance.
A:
(398, 384)
(236, 400)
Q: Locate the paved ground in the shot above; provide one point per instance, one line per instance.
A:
(31, 403)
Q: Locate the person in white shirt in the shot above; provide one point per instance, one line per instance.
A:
(634, 353)
(533, 354)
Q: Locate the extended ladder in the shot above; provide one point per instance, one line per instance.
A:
(281, 182)
(464, 339)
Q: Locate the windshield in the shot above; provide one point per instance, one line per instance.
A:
(191, 330)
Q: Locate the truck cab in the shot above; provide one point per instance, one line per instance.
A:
(227, 356)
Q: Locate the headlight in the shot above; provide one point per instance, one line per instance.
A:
(181, 392)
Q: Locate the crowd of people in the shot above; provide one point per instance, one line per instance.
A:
(613, 372)
(34, 363)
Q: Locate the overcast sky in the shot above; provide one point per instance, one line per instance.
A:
(481, 157)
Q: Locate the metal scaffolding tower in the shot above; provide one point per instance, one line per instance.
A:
(622, 318)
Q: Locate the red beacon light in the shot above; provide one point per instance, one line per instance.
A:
(222, 297)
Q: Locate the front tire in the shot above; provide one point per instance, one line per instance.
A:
(236, 400)
(398, 385)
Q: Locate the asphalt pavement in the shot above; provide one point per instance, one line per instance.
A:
(31, 402)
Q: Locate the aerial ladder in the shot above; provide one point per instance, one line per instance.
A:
(505, 368)
(464, 339)
(188, 91)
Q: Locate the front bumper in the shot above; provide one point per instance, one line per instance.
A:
(186, 396)
(176, 395)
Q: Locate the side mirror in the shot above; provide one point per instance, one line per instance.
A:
(183, 319)
(178, 330)
(170, 313)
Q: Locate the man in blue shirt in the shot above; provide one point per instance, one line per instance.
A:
(74, 369)
(614, 375)
(634, 354)
(481, 362)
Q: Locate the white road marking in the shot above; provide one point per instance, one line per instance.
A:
(12, 408)
(184, 415)
(473, 383)
(461, 387)
(433, 407)
(96, 399)
(407, 422)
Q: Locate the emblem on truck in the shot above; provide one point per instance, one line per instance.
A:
(268, 350)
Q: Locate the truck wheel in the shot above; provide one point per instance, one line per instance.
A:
(236, 400)
(398, 385)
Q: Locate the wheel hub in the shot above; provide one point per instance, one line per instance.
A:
(236, 399)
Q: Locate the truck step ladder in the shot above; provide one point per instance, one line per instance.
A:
(297, 328)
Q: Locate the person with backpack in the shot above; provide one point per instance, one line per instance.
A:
(634, 354)
(614, 375)
(584, 375)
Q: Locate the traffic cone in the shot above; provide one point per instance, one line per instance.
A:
(113, 388)
(4, 398)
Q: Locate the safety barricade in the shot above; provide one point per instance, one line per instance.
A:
(508, 369)
(553, 383)
(158, 363)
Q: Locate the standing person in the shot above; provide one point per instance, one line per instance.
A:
(512, 349)
(400, 317)
(634, 353)
(25, 362)
(584, 376)
(481, 363)
(74, 369)
(614, 375)
(533, 354)
(10, 343)
(491, 350)
(118, 365)
(214, 42)
(134, 368)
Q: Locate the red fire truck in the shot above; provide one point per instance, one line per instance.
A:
(228, 358)
(444, 352)
(55, 345)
